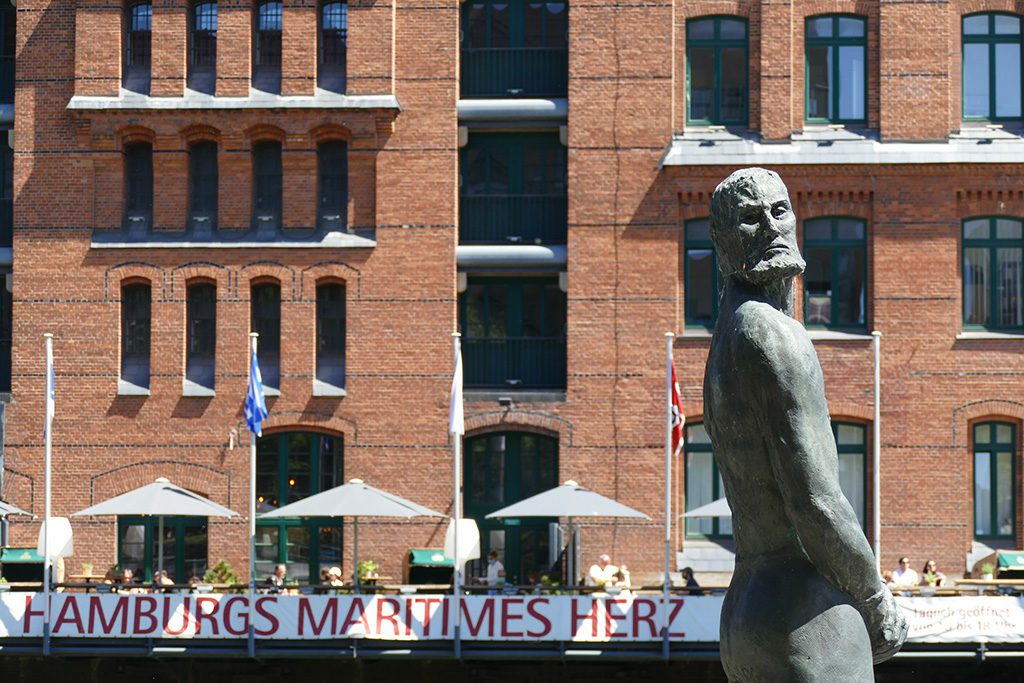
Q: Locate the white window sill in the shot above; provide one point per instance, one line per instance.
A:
(125, 388)
(985, 334)
(191, 389)
(833, 335)
(321, 388)
(270, 391)
(695, 333)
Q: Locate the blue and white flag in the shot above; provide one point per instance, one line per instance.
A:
(255, 402)
(456, 417)
(51, 409)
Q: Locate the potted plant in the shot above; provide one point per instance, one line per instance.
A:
(931, 580)
(368, 571)
(4, 586)
(87, 568)
(987, 571)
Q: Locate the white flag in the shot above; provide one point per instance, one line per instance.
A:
(456, 417)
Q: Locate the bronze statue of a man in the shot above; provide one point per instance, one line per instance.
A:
(806, 602)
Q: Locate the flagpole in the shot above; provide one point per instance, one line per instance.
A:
(253, 340)
(668, 496)
(46, 504)
(457, 428)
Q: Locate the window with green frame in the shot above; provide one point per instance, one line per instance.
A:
(992, 67)
(700, 274)
(291, 466)
(716, 70)
(703, 484)
(835, 69)
(994, 273)
(995, 470)
(835, 280)
(502, 468)
(185, 547)
(513, 332)
(851, 445)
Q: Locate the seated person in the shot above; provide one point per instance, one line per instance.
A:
(276, 581)
(904, 575)
(686, 573)
(495, 570)
(931, 576)
(334, 577)
(603, 573)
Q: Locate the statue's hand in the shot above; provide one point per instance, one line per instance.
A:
(887, 628)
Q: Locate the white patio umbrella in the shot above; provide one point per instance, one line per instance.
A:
(159, 499)
(8, 509)
(718, 508)
(568, 500)
(355, 499)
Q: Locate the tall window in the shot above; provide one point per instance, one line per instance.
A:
(851, 445)
(6, 328)
(138, 33)
(995, 449)
(266, 321)
(332, 159)
(290, 467)
(9, 37)
(330, 334)
(333, 39)
(6, 193)
(992, 66)
(514, 333)
(700, 273)
(993, 251)
(716, 70)
(202, 185)
(135, 331)
(138, 199)
(202, 334)
(266, 160)
(500, 469)
(267, 62)
(202, 64)
(836, 274)
(835, 72)
(184, 547)
(703, 484)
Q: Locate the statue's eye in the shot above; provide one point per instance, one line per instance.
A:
(780, 210)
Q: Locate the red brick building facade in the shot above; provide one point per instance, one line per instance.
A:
(526, 175)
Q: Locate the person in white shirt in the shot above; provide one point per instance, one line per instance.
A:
(905, 575)
(605, 574)
(495, 570)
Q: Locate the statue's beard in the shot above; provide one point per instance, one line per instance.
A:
(781, 267)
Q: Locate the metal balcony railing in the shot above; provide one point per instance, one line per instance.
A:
(514, 362)
(515, 219)
(515, 72)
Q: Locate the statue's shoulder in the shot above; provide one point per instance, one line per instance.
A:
(764, 333)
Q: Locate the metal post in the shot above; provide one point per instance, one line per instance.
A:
(159, 580)
(47, 565)
(876, 459)
(668, 495)
(456, 521)
(254, 338)
(355, 553)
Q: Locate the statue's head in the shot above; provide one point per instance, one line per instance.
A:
(753, 227)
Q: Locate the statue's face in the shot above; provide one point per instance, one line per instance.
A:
(760, 239)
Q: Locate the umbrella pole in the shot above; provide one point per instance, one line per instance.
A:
(158, 580)
(571, 560)
(355, 552)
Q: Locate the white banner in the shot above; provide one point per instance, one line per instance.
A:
(429, 617)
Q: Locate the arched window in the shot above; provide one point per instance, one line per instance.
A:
(266, 171)
(135, 337)
(201, 338)
(992, 67)
(703, 485)
(203, 187)
(700, 269)
(267, 46)
(500, 469)
(333, 46)
(138, 41)
(332, 160)
(330, 339)
(851, 445)
(202, 64)
(835, 280)
(995, 471)
(836, 69)
(138, 187)
(291, 466)
(993, 252)
(266, 321)
(716, 70)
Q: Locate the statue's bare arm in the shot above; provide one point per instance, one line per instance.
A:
(800, 445)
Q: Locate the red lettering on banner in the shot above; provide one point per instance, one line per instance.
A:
(646, 618)
(381, 617)
(228, 605)
(29, 613)
(531, 608)
(269, 616)
(486, 611)
(202, 615)
(306, 611)
(578, 618)
(357, 605)
(444, 618)
(185, 616)
(141, 600)
(96, 610)
(408, 616)
(609, 630)
(507, 617)
(427, 611)
(677, 605)
(70, 605)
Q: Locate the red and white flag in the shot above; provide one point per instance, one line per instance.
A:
(678, 416)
